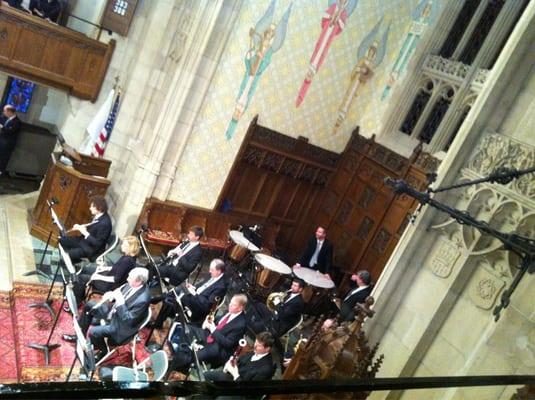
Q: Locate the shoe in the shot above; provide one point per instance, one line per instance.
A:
(68, 338)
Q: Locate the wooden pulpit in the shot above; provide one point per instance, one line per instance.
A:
(71, 187)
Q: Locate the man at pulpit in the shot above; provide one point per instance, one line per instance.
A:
(94, 235)
(9, 132)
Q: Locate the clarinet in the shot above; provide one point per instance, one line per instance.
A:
(241, 345)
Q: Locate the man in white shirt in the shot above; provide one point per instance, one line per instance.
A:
(318, 253)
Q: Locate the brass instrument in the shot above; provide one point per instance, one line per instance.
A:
(241, 345)
(274, 299)
(210, 317)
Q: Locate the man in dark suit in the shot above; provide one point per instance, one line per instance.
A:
(217, 339)
(122, 319)
(94, 235)
(357, 294)
(318, 253)
(186, 256)
(198, 300)
(285, 316)
(9, 133)
(256, 365)
(46, 9)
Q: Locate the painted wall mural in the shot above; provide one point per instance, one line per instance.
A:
(423, 16)
(239, 93)
(265, 39)
(370, 55)
(333, 23)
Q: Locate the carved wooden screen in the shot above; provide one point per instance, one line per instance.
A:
(276, 178)
(363, 218)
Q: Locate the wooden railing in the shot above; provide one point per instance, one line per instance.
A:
(37, 50)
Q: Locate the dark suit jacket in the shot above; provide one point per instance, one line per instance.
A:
(99, 232)
(128, 316)
(50, 10)
(225, 341)
(186, 264)
(10, 130)
(260, 370)
(200, 304)
(288, 314)
(119, 271)
(347, 312)
(325, 256)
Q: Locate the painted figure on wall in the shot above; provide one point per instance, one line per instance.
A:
(371, 53)
(264, 40)
(333, 23)
(423, 16)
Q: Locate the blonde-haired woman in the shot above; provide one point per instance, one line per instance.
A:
(108, 278)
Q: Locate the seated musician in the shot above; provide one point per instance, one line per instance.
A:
(46, 9)
(107, 278)
(122, 318)
(185, 257)
(256, 365)
(94, 235)
(198, 300)
(356, 294)
(285, 316)
(318, 253)
(217, 339)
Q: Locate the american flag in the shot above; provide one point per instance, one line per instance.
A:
(105, 132)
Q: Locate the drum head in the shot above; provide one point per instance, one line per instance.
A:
(273, 264)
(313, 277)
(238, 238)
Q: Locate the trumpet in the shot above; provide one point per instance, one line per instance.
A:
(211, 314)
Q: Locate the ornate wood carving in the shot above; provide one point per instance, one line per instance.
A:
(46, 53)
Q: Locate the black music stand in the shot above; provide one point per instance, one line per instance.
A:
(72, 272)
(70, 298)
(84, 353)
(56, 221)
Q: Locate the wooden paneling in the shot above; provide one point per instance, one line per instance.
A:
(49, 54)
(72, 189)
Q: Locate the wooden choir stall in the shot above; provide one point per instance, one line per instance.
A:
(70, 187)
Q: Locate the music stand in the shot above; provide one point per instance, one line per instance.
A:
(56, 221)
(72, 272)
(83, 353)
(70, 298)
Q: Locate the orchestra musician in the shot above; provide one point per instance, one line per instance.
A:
(357, 294)
(106, 278)
(183, 258)
(256, 365)
(94, 235)
(199, 300)
(318, 253)
(218, 339)
(119, 320)
(285, 316)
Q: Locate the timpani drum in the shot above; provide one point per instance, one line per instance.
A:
(271, 271)
(241, 246)
(318, 285)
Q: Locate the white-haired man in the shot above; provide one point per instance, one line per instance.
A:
(122, 310)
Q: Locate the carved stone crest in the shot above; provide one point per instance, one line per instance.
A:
(444, 258)
(485, 288)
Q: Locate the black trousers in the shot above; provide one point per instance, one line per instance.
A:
(71, 244)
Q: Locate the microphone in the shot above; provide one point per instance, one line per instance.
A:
(54, 200)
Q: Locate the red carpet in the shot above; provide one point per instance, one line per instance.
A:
(21, 325)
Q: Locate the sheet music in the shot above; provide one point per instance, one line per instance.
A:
(66, 259)
(57, 222)
(71, 300)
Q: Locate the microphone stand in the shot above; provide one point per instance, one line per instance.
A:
(47, 347)
(48, 301)
(523, 246)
